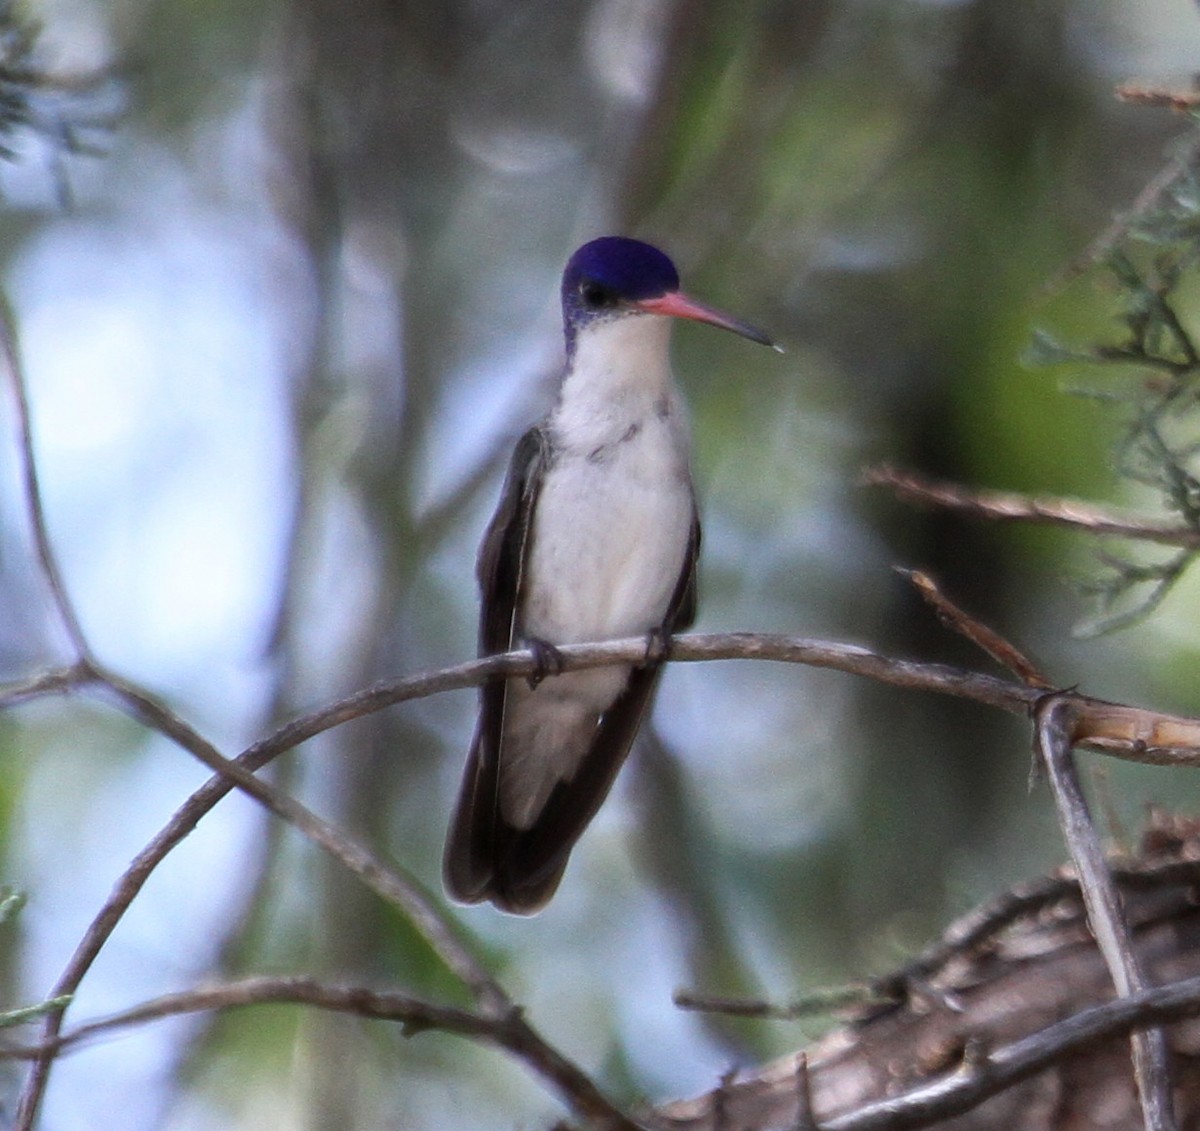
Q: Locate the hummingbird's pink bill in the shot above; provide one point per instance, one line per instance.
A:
(676, 304)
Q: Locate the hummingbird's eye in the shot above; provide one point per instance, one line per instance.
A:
(596, 296)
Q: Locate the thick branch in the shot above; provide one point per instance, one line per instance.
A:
(1055, 718)
(993, 1072)
(1014, 1004)
(1131, 733)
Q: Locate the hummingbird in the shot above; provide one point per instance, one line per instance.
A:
(595, 537)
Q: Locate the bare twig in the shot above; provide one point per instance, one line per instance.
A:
(416, 1015)
(812, 1004)
(506, 1031)
(720, 1111)
(1003, 651)
(1171, 97)
(27, 1013)
(805, 1120)
(35, 513)
(387, 883)
(1005, 506)
(980, 924)
(1131, 733)
(500, 1022)
(1055, 718)
(1150, 194)
(1123, 731)
(390, 883)
(973, 1082)
(969, 933)
(57, 681)
(62, 679)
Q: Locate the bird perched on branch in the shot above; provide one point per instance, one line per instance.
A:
(595, 537)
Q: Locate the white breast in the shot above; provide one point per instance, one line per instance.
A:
(614, 514)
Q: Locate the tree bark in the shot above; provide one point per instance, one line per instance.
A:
(1004, 973)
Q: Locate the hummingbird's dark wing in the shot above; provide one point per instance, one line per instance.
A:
(472, 842)
(486, 856)
(681, 613)
(528, 863)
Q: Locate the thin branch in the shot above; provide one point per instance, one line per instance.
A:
(239, 773)
(416, 1015)
(390, 883)
(1118, 730)
(35, 513)
(805, 1119)
(1174, 98)
(57, 681)
(1132, 733)
(1127, 732)
(61, 679)
(405, 892)
(505, 1025)
(980, 924)
(1005, 506)
(820, 1001)
(1003, 651)
(24, 1014)
(694, 648)
(1055, 721)
(1149, 195)
(506, 1031)
(965, 935)
(975, 1080)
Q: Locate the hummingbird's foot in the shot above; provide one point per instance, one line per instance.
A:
(658, 645)
(547, 660)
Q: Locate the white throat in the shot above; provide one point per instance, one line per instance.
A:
(620, 373)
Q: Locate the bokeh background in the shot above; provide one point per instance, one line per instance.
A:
(281, 332)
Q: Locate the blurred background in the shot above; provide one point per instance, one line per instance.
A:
(281, 333)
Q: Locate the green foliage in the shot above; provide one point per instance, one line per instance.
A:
(26, 1013)
(11, 903)
(1150, 267)
(33, 101)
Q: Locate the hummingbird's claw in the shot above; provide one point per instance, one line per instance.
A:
(547, 660)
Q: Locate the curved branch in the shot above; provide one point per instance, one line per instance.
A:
(35, 513)
(507, 1031)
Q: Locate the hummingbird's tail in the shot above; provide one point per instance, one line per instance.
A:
(518, 869)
